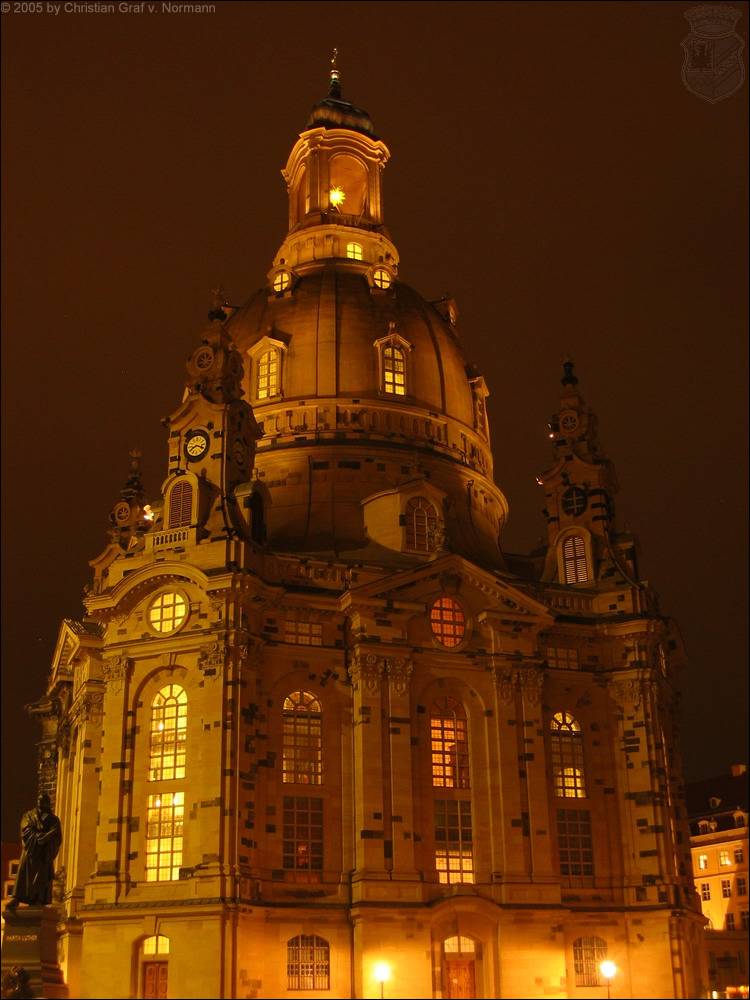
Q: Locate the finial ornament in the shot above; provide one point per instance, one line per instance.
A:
(568, 378)
(334, 89)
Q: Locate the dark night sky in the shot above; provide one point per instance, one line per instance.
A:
(548, 168)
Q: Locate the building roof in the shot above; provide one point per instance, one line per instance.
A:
(712, 797)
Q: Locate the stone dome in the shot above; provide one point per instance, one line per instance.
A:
(330, 324)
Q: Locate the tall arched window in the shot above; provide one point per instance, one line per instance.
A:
(308, 963)
(588, 954)
(354, 251)
(268, 378)
(181, 505)
(574, 560)
(567, 757)
(302, 755)
(394, 370)
(168, 734)
(450, 747)
(421, 525)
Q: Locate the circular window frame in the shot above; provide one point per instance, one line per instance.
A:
(386, 270)
(464, 640)
(152, 601)
(279, 275)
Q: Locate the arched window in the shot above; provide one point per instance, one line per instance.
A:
(257, 518)
(459, 945)
(421, 525)
(302, 756)
(354, 251)
(450, 747)
(448, 622)
(588, 954)
(168, 734)
(156, 945)
(268, 379)
(567, 757)
(181, 505)
(394, 370)
(574, 560)
(308, 963)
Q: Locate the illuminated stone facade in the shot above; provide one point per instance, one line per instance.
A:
(315, 720)
(718, 813)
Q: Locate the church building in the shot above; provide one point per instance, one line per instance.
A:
(317, 733)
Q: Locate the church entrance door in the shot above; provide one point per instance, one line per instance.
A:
(459, 975)
(155, 980)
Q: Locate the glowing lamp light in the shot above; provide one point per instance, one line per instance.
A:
(148, 514)
(608, 969)
(382, 973)
(336, 196)
(539, 481)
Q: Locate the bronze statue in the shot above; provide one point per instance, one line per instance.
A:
(41, 837)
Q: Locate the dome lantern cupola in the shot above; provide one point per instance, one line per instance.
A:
(334, 181)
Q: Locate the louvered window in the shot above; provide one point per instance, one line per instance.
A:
(181, 505)
(574, 560)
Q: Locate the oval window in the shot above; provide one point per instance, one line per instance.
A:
(448, 622)
(381, 278)
(167, 612)
(282, 281)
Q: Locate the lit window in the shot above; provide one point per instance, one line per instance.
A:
(421, 525)
(156, 945)
(724, 858)
(566, 744)
(450, 749)
(354, 251)
(574, 842)
(166, 812)
(588, 954)
(458, 945)
(742, 886)
(168, 734)
(303, 834)
(268, 379)
(303, 633)
(705, 891)
(739, 855)
(302, 758)
(181, 505)
(281, 281)
(562, 658)
(447, 621)
(167, 612)
(308, 963)
(730, 922)
(726, 888)
(703, 861)
(381, 278)
(394, 370)
(453, 842)
(574, 560)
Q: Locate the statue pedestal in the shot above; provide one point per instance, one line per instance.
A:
(30, 942)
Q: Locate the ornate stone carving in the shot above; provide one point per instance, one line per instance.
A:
(627, 692)
(114, 669)
(213, 656)
(531, 681)
(399, 673)
(88, 707)
(506, 682)
(366, 670)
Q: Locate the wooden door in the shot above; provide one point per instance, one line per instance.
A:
(155, 980)
(459, 978)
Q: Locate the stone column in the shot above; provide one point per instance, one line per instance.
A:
(399, 671)
(366, 672)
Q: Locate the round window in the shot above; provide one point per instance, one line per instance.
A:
(574, 501)
(448, 622)
(282, 281)
(167, 612)
(381, 278)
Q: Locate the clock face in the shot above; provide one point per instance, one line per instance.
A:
(569, 422)
(196, 445)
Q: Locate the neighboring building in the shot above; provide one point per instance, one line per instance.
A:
(718, 813)
(316, 719)
(11, 856)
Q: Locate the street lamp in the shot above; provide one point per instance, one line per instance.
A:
(609, 970)
(382, 975)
